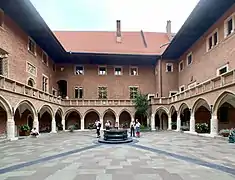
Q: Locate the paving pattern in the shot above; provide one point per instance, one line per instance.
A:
(157, 156)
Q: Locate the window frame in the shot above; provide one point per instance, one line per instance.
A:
(231, 17)
(47, 88)
(211, 35)
(188, 55)
(27, 63)
(172, 67)
(181, 62)
(137, 70)
(170, 92)
(47, 58)
(54, 90)
(76, 71)
(130, 91)
(115, 70)
(99, 92)
(182, 86)
(218, 69)
(78, 88)
(35, 46)
(106, 70)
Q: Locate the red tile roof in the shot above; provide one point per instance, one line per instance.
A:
(105, 42)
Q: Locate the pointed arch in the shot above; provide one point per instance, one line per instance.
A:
(199, 103)
(109, 110)
(164, 109)
(48, 108)
(60, 111)
(172, 110)
(6, 106)
(182, 107)
(92, 110)
(225, 96)
(66, 114)
(126, 110)
(30, 106)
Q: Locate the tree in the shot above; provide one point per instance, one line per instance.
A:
(141, 105)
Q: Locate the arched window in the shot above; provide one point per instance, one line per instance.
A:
(31, 82)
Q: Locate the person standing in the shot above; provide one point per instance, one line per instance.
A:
(137, 126)
(132, 127)
(98, 126)
(107, 125)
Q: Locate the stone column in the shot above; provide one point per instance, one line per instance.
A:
(178, 123)
(82, 123)
(169, 122)
(10, 128)
(192, 123)
(117, 121)
(153, 127)
(102, 124)
(36, 123)
(63, 123)
(53, 126)
(214, 125)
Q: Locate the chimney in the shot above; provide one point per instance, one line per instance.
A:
(168, 30)
(118, 32)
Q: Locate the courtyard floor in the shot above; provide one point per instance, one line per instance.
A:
(157, 156)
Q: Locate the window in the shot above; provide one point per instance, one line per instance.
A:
(117, 71)
(172, 93)
(54, 92)
(31, 69)
(32, 46)
(229, 26)
(79, 70)
(169, 67)
(44, 58)
(78, 92)
(31, 82)
(102, 93)
(1, 18)
(182, 88)
(133, 71)
(1, 67)
(102, 70)
(44, 83)
(189, 58)
(133, 92)
(212, 40)
(222, 70)
(181, 66)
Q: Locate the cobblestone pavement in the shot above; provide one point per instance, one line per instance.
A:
(157, 156)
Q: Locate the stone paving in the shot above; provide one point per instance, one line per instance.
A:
(157, 156)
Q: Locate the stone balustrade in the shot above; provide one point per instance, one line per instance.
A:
(7, 84)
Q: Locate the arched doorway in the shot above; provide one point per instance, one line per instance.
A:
(62, 88)
(90, 117)
(109, 115)
(58, 120)
(202, 113)
(184, 117)
(173, 114)
(73, 118)
(124, 119)
(3, 121)
(225, 111)
(161, 119)
(45, 119)
(24, 115)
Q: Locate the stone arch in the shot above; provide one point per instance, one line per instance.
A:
(90, 116)
(31, 82)
(29, 104)
(45, 118)
(127, 110)
(23, 109)
(5, 113)
(58, 119)
(201, 111)
(161, 118)
(73, 117)
(109, 115)
(184, 113)
(224, 109)
(173, 115)
(125, 118)
(48, 108)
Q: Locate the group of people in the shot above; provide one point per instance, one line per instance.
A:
(134, 127)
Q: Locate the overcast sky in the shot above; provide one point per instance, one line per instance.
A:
(92, 15)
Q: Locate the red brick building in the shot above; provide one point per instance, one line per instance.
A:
(51, 80)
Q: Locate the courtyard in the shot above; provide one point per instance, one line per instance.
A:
(156, 155)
